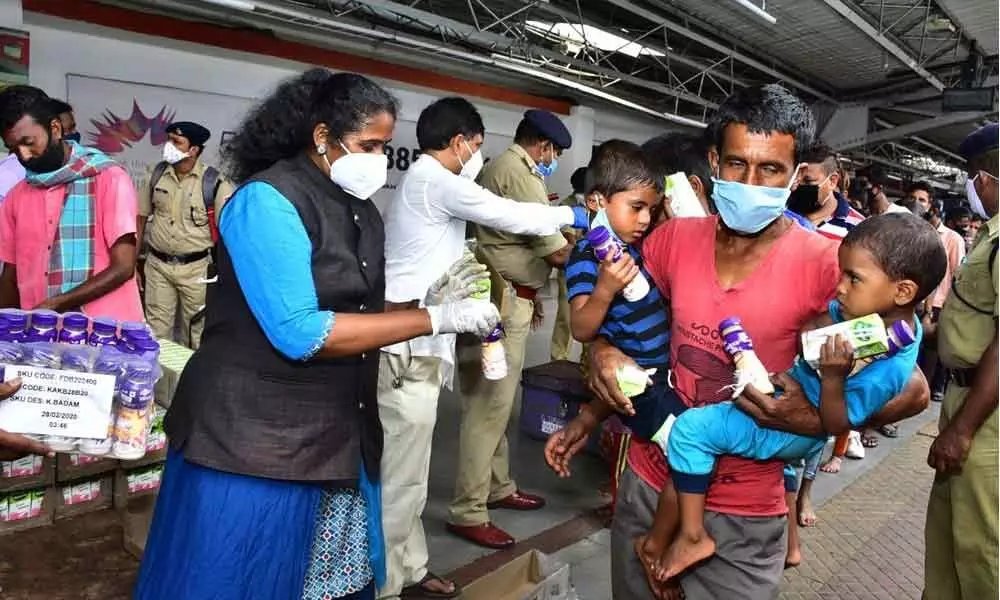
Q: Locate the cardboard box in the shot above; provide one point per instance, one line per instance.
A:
(531, 576)
(74, 467)
(26, 509)
(28, 472)
(173, 359)
(136, 483)
(136, 519)
(79, 497)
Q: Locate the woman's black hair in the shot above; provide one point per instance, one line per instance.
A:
(282, 125)
(618, 166)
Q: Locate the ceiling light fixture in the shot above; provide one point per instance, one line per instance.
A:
(236, 4)
(760, 11)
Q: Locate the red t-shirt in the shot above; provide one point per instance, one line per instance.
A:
(792, 284)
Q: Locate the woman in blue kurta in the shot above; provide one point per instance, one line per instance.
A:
(274, 432)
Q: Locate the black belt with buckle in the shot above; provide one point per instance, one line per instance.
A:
(962, 377)
(180, 259)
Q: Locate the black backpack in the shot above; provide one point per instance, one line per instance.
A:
(209, 188)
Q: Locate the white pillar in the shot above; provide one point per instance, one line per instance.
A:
(580, 124)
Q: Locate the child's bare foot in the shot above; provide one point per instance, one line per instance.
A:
(805, 512)
(832, 465)
(649, 553)
(687, 550)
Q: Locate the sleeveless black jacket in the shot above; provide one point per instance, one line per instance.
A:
(240, 405)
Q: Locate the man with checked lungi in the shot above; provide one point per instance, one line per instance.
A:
(67, 232)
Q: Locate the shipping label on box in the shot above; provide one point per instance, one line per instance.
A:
(26, 466)
(57, 402)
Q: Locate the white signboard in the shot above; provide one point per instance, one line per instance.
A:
(127, 120)
(57, 402)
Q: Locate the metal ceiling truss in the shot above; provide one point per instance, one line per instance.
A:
(592, 66)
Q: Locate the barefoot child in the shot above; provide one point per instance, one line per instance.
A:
(888, 265)
(628, 194)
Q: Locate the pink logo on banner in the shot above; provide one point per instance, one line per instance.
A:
(115, 135)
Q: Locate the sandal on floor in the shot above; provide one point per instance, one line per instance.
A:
(419, 590)
(889, 431)
(868, 440)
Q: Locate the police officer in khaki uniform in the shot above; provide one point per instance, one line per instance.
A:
(961, 530)
(181, 213)
(520, 266)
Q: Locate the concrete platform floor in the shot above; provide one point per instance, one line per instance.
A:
(83, 559)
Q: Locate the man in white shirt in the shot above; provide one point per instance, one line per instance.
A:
(425, 234)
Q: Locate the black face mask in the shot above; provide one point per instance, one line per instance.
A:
(804, 199)
(50, 160)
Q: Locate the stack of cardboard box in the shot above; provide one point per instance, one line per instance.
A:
(35, 490)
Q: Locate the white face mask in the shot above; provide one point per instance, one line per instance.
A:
(471, 169)
(172, 155)
(361, 174)
(975, 202)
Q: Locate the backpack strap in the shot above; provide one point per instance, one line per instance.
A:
(154, 178)
(992, 263)
(210, 182)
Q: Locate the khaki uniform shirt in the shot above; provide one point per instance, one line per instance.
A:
(517, 258)
(968, 321)
(179, 222)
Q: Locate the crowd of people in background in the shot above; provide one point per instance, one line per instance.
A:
(301, 430)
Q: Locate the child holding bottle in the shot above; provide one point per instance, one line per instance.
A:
(888, 265)
(627, 191)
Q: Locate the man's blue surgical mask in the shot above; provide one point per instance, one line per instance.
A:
(746, 208)
(546, 170)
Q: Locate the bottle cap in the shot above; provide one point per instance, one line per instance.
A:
(105, 325)
(902, 334)
(10, 352)
(138, 369)
(44, 318)
(495, 335)
(41, 353)
(75, 320)
(76, 358)
(730, 322)
(599, 235)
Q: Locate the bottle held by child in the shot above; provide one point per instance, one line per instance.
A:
(605, 245)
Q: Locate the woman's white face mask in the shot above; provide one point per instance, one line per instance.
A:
(360, 174)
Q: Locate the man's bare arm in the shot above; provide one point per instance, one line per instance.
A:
(121, 269)
(791, 412)
(912, 401)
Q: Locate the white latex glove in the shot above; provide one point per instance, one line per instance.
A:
(464, 316)
(460, 281)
